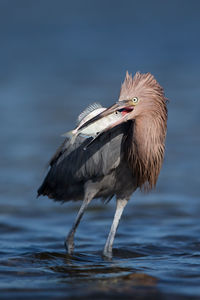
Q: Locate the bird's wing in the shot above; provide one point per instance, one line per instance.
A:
(74, 166)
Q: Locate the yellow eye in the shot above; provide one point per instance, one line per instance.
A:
(135, 100)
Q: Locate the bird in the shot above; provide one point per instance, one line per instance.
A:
(123, 159)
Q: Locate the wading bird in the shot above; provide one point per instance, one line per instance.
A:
(125, 157)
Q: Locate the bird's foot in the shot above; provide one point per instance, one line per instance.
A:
(69, 245)
(107, 253)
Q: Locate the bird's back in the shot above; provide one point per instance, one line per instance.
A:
(103, 162)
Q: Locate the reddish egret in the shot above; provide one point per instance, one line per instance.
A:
(122, 159)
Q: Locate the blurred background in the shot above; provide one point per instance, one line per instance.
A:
(57, 57)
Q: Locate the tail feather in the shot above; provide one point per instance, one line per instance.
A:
(42, 190)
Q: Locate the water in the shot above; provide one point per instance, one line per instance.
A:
(57, 57)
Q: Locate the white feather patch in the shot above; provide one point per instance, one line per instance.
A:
(88, 110)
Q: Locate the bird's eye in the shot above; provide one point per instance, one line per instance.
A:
(135, 100)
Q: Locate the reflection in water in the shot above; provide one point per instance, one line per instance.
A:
(92, 274)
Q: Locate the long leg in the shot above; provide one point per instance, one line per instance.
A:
(120, 205)
(69, 242)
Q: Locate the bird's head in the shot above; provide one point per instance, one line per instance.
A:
(140, 95)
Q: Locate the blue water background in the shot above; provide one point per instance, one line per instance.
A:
(56, 57)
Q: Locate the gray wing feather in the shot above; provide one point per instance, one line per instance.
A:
(72, 166)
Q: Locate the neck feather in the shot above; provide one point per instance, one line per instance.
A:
(146, 149)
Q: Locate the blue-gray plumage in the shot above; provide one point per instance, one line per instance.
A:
(102, 163)
(119, 161)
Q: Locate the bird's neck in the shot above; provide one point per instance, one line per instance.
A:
(147, 149)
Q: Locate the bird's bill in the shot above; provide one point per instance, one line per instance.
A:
(120, 105)
(126, 105)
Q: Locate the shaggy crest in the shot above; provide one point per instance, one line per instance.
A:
(145, 147)
(141, 85)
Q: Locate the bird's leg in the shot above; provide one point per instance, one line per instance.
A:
(120, 205)
(69, 242)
